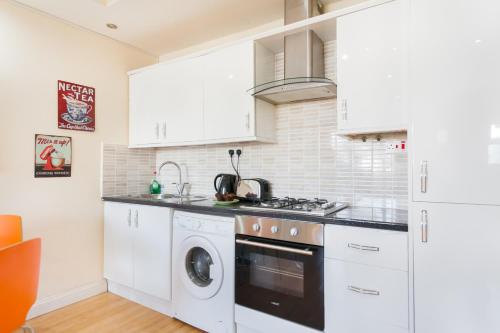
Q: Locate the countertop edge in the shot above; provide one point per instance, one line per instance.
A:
(231, 211)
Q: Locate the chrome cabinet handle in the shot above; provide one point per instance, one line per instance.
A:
(424, 225)
(363, 291)
(344, 109)
(423, 177)
(248, 121)
(363, 247)
(164, 129)
(157, 131)
(275, 247)
(129, 219)
(137, 219)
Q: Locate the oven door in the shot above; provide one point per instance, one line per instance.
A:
(282, 279)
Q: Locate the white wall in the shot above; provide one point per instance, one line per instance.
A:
(222, 41)
(35, 51)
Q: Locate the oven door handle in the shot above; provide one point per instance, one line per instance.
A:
(275, 247)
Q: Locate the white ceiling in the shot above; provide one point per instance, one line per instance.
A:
(162, 26)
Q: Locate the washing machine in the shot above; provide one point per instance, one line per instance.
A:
(203, 271)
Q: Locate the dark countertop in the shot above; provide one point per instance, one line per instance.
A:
(377, 218)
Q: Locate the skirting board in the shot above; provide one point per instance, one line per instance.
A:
(253, 321)
(151, 302)
(51, 303)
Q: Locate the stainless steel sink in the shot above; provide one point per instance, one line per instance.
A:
(171, 197)
(155, 196)
(190, 197)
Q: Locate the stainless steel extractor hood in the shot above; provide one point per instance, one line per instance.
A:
(304, 62)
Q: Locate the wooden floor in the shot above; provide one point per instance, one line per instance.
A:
(108, 313)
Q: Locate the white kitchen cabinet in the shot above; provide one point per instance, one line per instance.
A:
(166, 104)
(118, 240)
(181, 102)
(455, 80)
(229, 109)
(366, 280)
(199, 100)
(144, 104)
(371, 69)
(382, 248)
(137, 247)
(360, 296)
(456, 268)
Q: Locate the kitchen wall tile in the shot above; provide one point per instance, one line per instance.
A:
(126, 171)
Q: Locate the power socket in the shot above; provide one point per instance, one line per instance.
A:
(400, 146)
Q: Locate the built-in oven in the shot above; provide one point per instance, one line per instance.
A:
(279, 268)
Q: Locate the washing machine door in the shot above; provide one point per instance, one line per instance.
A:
(201, 266)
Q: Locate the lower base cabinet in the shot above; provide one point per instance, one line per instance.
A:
(137, 247)
(361, 298)
(456, 267)
(366, 280)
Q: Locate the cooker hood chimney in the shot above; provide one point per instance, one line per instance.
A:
(304, 62)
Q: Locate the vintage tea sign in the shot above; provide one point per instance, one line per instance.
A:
(76, 106)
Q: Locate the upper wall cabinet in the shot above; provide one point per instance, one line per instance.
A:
(372, 66)
(228, 74)
(455, 80)
(199, 100)
(144, 125)
(161, 106)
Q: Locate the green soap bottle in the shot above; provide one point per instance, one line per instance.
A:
(154, 187)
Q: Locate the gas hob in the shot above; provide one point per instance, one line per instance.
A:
(316, 207)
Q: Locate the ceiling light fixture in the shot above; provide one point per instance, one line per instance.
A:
(112, 26)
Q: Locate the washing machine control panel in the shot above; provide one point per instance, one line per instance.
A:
(204, 223)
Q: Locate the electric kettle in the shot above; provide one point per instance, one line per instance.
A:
(225, 183)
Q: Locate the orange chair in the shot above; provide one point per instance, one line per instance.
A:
(11, 230)
(19, 272)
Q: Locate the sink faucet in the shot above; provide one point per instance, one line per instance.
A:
(179, 185)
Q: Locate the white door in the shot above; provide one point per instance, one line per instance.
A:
(144, 102)
(229, 109)
(457, 271)
(152, 250)
(455, 85)
(118, 239)
(180, 111)
(372, 65)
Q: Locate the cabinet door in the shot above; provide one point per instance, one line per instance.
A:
(371, 61)
(455, 80)
(360, 298)
(152, 250)
(229, 109)
(144, 101)
(118, 239)
(382, 248)
(180, 111)
(457, 271)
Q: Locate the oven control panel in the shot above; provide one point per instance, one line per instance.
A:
(281, 229)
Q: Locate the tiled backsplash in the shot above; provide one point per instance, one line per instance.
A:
(126, 171)
(309, 160)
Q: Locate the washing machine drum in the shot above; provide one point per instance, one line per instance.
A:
(201, 267)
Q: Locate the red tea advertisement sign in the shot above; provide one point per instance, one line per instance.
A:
(52, 156)
(76, 106)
